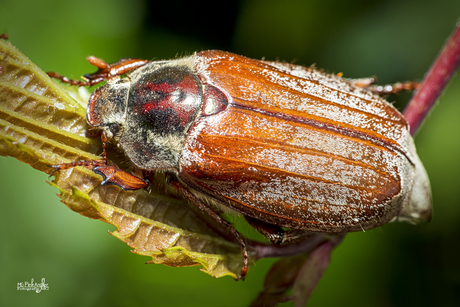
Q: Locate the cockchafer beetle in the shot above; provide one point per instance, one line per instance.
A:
(281, 144)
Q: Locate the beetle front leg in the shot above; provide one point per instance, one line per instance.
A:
(112, 174)
(105, 71)
(209, 211)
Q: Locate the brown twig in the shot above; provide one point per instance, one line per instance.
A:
(434, 82)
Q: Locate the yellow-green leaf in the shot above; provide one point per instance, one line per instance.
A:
(41, 124)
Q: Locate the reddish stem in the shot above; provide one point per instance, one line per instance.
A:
(268, 250)
(434, 82)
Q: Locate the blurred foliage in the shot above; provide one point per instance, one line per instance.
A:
(395, 265)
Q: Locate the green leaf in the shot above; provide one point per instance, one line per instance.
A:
(41, 124)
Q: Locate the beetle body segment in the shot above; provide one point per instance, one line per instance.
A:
(283, 144)
(298, 148)
(149, 113)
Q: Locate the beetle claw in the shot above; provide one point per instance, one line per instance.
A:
(113, 175)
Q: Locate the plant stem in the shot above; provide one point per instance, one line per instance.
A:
(434, 82)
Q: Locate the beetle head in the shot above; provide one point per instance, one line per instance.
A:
(106, 107)
(149, 112)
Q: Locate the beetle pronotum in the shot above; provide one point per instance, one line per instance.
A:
(281, 144)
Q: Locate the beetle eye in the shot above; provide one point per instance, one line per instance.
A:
(114, 128)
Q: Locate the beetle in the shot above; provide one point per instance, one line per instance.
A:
(291, 148)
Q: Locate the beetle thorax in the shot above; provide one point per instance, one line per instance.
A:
(153, 109)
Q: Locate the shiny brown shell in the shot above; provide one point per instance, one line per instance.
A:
(297, 147)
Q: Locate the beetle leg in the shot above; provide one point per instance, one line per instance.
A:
(366, 83)
(363, 82)
(108, 71)
(277, 235)
(206, 209)
(273, 233)
(112, 174)
(394, 88)
(64, 79)
(105, 71)
(86, 163)
(296, 235)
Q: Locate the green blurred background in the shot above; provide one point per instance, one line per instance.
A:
(395, 265)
